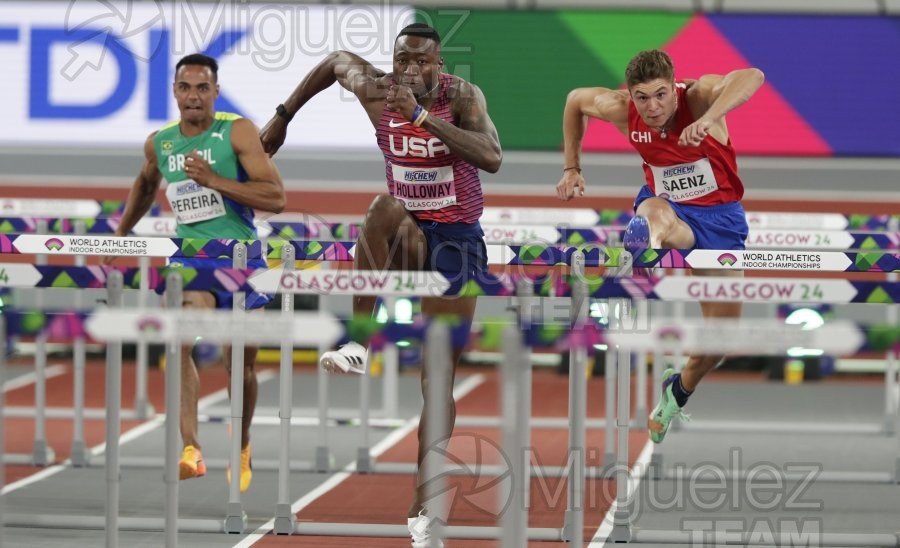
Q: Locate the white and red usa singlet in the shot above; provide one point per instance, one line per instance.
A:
(433, 183)
(702, 175)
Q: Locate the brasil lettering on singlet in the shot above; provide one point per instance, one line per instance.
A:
(202, 212)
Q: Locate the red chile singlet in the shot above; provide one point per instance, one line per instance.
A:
(703, 175)
(433, 183)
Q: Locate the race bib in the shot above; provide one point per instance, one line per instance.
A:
(424, 187)
(192, 202)
(683, 182)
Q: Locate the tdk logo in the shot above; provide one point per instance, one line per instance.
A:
(88, 48)
(420, 176)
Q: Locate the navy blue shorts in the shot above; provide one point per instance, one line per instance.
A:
(225, 299)
(454, 249)
(720, 226)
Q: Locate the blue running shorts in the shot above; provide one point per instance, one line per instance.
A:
(225, 299)
(454, 248)
(720, 226)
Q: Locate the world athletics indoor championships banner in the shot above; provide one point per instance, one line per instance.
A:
(830, 80)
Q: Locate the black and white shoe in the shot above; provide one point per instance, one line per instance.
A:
(420, 532)
(350, 358)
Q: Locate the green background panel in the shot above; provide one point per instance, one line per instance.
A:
(527, 61)
(614, 37)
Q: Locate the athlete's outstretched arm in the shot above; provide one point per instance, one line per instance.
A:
(142, 195)
(263, 188)
(143, 190)
(349, 70)
(601, 103)
(720, 95)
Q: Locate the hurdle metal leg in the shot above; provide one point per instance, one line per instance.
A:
(609, 434)
(143, 409)
(390, 367)
(113, 406)
(174, 301)
(439, 369)
(514, 509)
(235, 517)
(78, 452)
(390, 380)
(573, 523)
(323, 454)
(284, 517)
(363, 457)
(41, 453)
(3, 350)
(891, 394)
(655, 468)
(621, 530)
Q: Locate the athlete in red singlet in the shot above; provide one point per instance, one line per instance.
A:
(435, 133)
(692, 194)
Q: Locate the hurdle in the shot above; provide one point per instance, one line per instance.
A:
(503, 286)
(765, 233)
(174, 327)
(730, 336)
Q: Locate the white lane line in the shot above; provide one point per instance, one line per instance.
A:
(467, 385)
(130, 435)
(29, 378)
(634, 480)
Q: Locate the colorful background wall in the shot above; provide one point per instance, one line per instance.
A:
(832, 82)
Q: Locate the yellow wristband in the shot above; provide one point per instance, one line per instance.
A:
(420, 119)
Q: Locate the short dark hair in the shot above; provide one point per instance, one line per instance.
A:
(649, 65)
(201, 60)
(420, 29)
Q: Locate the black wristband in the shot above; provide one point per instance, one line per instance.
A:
(281, 111)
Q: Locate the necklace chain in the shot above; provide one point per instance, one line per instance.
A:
(664, 130)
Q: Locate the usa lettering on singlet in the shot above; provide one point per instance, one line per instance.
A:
(433, 183)
(701, 175)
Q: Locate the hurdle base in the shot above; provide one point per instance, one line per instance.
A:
(324, 460)
(567, 533)
(363, 460)
(655, 468)
(235, 519)
(80, 456)
(646, 536)
(609, 462)
(401, 531)
(50, 521)
(284, 520)
(143, 410)
(621, 529)
(42, 454)
(825, 476)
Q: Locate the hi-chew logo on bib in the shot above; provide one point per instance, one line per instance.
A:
(684, 182)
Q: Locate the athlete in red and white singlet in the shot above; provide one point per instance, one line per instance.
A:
(433, 183)
(435, 132)
(692, 194)
(702, 175)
